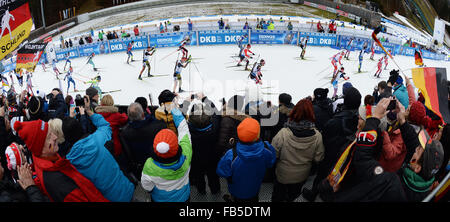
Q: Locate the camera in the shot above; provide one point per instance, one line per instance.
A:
(79, 101)
(392, 105)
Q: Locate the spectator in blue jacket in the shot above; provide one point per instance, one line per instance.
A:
(251, 157)
(400, 92)
(90, 157)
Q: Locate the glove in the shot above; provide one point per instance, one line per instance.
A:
(253, 53)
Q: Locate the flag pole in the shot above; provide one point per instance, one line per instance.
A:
(374, 37)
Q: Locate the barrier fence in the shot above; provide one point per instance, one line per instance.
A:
(216, 37)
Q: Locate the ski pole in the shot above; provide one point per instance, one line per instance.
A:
(168, 55)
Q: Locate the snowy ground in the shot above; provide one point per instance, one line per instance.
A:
(210, 73)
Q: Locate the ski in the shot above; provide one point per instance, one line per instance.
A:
(360, 72)
(155, 76)
(269, 93)
(111, 91)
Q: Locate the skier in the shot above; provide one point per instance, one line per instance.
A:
(348, 48)
(337, 58)
(361, 57)
(91, 62)
(372, 49)
(380, 65)
(256, 74)
(70, 80)
(335, 80)
(179, 65)
(245, 56)
(182, 48)
(55, 69)
(303, 44)
(29, 84)
(386, 60)
(95, 84)
(342, 74)
(240, 45)
(129, 47)
(5, 23)
(146, 61)
(67, 61)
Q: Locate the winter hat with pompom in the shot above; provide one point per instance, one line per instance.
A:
(33, 133)
(165, 147)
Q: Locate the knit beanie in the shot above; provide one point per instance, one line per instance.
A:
(285, 98)
(72, 130)
(143, 101)
(433, 157)
(352, 98)
(320, 93)
(248, 130)
(91, 92)
(165, 146)
(166, 96)
(33, 133)
(346, 86)
(13, 157)
(417, 113)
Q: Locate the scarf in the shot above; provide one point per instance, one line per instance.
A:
(415, 182)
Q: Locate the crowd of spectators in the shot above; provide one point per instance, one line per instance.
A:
(83, 149)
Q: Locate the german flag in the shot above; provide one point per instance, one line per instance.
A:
(418, 58)
(432, 82)
(16, 24)
(28, 56)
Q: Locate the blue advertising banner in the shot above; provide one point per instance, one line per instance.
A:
(172, 39)
(320, 39)
(61, 54)
(273, 37)
(97, 48)
(387, 45)
(403, 50)
(140, 42)
(221, 37)
(356, 44)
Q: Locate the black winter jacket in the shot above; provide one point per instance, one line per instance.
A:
(323, 111)
(139, 136)
(12, 192)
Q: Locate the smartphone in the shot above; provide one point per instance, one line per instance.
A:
(392, 105)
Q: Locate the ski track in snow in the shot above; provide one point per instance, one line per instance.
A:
(282, 71)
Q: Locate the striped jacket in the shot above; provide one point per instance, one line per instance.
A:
(170, 182)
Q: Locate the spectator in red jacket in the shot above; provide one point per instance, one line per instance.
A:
(57, 178)
(136, 30)
(115, 119)
(319, 27)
